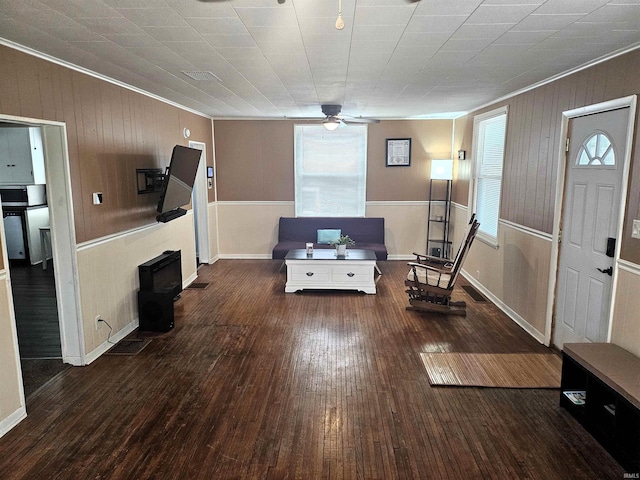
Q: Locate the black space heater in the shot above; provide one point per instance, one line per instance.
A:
(160, 286)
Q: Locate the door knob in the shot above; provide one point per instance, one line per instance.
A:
(608, 271)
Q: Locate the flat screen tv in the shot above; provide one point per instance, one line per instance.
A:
(178, 183)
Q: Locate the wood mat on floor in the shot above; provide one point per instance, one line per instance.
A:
(501, 370)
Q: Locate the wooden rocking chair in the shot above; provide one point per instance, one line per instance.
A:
(430, 286)
(440, 262)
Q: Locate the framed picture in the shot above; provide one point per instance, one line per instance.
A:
(398, 152)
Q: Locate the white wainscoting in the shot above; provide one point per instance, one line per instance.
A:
(12, 402)
(625, 327)
(108, 272)
(515, 275)
(250, 229)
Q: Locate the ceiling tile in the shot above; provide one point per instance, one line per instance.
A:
(435, 23)
(576, 7)
(173, 34)
(153, 17)
(217, 26)
(82, 8)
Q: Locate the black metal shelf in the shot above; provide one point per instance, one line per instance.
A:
(438, 243)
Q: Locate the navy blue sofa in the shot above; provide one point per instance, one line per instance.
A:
(293, 233)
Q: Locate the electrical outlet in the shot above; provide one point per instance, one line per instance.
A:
(99, 322)
(635, 233)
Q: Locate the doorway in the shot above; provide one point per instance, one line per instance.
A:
(62, 265)
(200, 202)
(594, 177)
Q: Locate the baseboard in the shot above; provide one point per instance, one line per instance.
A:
(12, 420)
(242, 256)
(107, 344)
(214, 259)
(401, 257)
(190, 280)
(521, 322)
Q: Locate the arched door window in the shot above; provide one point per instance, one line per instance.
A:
(596, 151)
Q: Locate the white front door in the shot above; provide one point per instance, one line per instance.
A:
(590, 221)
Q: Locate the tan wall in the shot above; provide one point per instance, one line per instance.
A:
(250, 229)
(533, 131)
(254, 159)
(430, 139)
(625, 329)
(255, 175)
(111, 132)
(11, 396)
(109, 289)
(11, 399)
(462, 140)
(405, 226)
(516, 273)
(214, 249)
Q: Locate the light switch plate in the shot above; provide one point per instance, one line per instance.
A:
(97, 198)
(636, 229)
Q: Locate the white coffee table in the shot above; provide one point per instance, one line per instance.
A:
(323, 270)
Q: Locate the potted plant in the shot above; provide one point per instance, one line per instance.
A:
(341, 244)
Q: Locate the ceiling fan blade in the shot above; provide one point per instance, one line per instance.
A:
(307, 119)
(359, 120)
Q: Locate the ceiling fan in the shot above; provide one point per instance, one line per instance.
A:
(333, 119)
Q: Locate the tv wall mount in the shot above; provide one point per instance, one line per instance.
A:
(149, 180)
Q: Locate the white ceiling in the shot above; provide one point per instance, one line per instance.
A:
(393, 59)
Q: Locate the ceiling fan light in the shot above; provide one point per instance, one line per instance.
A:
(331, 124)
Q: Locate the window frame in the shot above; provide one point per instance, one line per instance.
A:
(478, 121)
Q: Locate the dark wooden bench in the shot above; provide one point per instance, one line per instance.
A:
(601, 389)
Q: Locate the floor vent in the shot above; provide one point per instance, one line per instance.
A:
(198, 286)
(129, 346)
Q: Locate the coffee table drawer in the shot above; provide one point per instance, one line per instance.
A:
(310, 273)
(350, 274)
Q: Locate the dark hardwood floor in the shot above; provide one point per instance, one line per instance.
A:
(256, 383)
(36, 309)
(34, 298)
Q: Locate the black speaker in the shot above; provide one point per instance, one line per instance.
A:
(155, 311)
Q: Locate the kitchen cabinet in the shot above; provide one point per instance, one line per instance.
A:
(21, 156)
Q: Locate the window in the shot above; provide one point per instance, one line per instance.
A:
(489, 140)
(596, 151)
(330, 171)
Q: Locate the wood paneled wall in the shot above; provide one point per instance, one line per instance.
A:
(533, 142)
(254, 159)
(111, 131)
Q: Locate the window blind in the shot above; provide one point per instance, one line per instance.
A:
(490, 157)
(330, 171)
